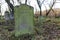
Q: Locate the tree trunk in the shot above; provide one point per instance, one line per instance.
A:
(39, 4)
(25, 1)
(51, 7)
(10, 6)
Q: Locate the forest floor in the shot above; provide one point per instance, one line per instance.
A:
(45, 29)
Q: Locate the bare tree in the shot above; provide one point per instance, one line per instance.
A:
(13, 2)
(10, 5)
(19, 1)
(40, 5)
(11, 8)
(45, 7)
(29, 2)
(0, 7)
(54, 1)
(25, 1)
(52, 10)
(0, 11)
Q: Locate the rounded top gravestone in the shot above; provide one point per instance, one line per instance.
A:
(24, 21)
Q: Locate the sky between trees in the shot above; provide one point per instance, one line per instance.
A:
(33, 3)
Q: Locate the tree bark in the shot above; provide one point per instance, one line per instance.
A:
(10, 5)
(39, 4)
(25, 1)
(51, 7)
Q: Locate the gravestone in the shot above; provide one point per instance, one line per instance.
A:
(24, 22)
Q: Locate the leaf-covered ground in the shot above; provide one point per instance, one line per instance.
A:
(45, 29)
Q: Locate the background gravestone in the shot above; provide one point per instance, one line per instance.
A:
(24, 20)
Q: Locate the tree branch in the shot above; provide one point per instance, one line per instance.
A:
(51, 7)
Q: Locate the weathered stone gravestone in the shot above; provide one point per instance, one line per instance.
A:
(24, 20)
